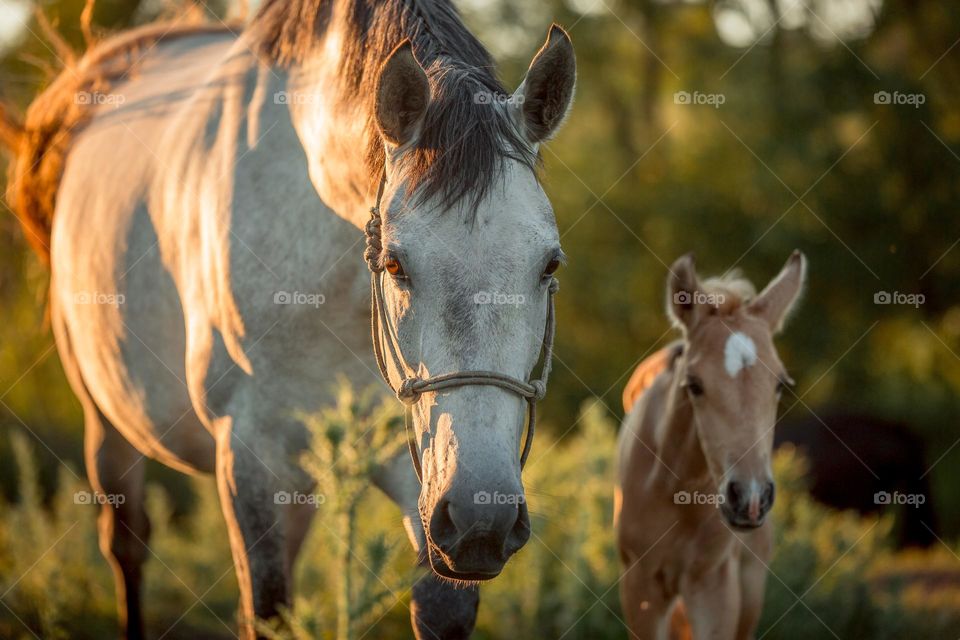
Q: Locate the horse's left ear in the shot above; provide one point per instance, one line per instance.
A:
(402, 95)
(775, 303)
(543, 99)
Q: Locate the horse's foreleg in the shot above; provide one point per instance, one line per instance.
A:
(713, 602)
(645, 607)
(116, 473)
(753, 580)
(255, 523)
(438, 609)
(298, 518)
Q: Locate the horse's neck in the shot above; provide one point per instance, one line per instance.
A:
(678, 443)
(333, 129)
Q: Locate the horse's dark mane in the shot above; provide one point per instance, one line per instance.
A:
(464, 140)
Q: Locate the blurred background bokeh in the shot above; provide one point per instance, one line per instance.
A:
(739, 130)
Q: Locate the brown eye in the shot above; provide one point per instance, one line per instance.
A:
(785, 382)
(552, 267)
(694, 386)
(393, 267)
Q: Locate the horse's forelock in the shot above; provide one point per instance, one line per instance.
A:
(733, 290)
(463, 145)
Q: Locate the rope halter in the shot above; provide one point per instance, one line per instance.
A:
(411, 387)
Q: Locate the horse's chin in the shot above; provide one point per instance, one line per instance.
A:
(442, 569)
(743, 524)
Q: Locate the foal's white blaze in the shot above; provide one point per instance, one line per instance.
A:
(739, 352)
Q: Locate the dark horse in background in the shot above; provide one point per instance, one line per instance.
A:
(890, 458)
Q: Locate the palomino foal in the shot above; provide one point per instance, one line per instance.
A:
(698, 438)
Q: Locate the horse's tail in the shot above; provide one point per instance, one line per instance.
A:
(11, 130)
(40, 144)
(28, 194)
(22, 199)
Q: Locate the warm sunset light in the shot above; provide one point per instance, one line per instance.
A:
(449, 319)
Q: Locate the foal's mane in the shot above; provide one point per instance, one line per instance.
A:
(464, 139)
(732, 288)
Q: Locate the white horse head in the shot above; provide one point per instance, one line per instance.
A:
(470, 246)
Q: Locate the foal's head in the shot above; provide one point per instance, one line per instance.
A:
(470, 246)
(732, 377)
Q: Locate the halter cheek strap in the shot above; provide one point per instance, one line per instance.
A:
(412, 386)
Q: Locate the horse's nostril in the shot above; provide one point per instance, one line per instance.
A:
(443, 531)
(768, 495)
(734, 491)
(519, 533)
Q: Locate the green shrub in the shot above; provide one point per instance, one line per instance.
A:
(832, 572)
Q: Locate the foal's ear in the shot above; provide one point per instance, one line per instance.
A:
(682, 287)
(775, 303)
(403, 93)
(543, 99)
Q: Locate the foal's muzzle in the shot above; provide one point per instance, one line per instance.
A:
(746, 504)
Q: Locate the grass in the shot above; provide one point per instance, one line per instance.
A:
(833, 574)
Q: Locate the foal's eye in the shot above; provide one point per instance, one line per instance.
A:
(551, 268)
(785, 382)
(393, 267)
(694, 386)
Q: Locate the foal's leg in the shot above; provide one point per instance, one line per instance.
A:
(753, 579)
(439, 610)
(255, 522)
(116, 471)
(644, 605)
(713, 602)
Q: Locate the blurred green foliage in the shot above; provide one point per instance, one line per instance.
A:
(831, 571)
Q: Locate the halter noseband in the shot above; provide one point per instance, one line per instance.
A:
(412, 386)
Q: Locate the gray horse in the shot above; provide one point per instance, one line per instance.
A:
(201, 197)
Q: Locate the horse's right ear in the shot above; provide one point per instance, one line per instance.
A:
(403, 93)
(775, 303)
(544, 99)
(682, 287)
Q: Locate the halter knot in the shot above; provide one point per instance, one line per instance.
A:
(407, 392)
(539, 390)
(554, 286)
(374, 243)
